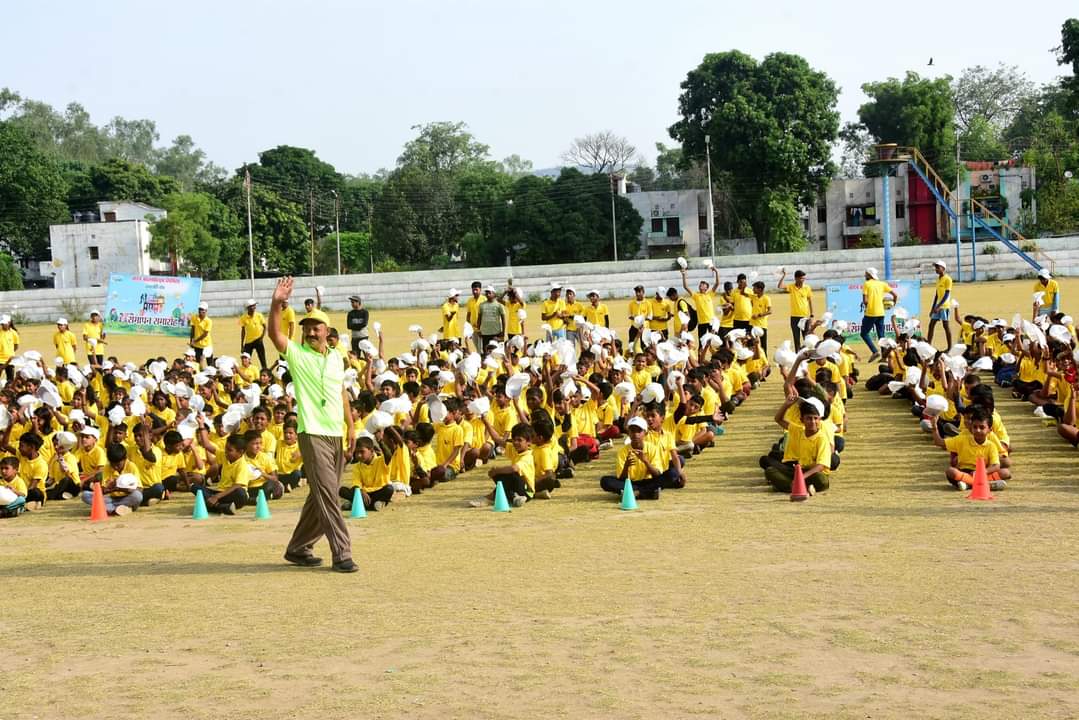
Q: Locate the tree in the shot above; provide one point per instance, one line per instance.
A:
(10, 277)
(117, 179)
(192, 234)
(983, 141)
(131, 140)
(772, 125)
(994, 96)
(442, 147)
(281, 239)
(185, 162)
(602, 152)
(515, 167)
(356, 253)
(855, 144)
(565, 220)
(914, 111)
(32, 194)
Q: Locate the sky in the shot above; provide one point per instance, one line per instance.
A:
(351, 79)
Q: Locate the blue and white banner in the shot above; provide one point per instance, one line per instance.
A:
(151, 304)
(845, 303)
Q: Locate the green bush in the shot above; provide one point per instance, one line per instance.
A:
(990, 249)
(10, 275)
(871, 237)
(1029, 246)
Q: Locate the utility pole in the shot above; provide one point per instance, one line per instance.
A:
(337, 226)
(311, 215)
(250, 237)
(711, 210)
(614, 222)
(370, 237)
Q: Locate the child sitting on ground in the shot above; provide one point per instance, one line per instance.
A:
(519, 477)
(371, 475)
(288, 458)
(638, 461)
(967, 447)
(119, 483)
(231, 490)
(807, 444)
(12, 488)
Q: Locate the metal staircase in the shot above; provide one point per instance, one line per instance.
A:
(980, 215)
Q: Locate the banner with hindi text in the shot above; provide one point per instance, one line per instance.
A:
(150, 304)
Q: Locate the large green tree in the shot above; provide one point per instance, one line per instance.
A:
(193, 233)
(771, 125)
(914, 111)
(117, 179)
(32, 194)
(281, 239)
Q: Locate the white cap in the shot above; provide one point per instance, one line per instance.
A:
(872, 272)
(93, 312)
(637, 422)
(940, 264)
(556, 285)
(489, 289)
(569, 289)
(250, 302)
(453, 292)
(190, 352)
(5, 319)
(204, 306)
(661, 290)
(594, 292)
(91, 431)
(1043, 273)
(245, 355)
(61, 321)
(127, 481)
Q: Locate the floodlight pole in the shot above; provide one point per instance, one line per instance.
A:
(711, 210)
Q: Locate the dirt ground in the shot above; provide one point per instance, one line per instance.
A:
(888, 596)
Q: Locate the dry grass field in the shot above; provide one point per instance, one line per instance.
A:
(889, 596)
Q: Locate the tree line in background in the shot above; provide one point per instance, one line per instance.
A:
(770, 127)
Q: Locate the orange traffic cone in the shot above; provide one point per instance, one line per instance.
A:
(798, 486)
(97, 507)
(980, 488)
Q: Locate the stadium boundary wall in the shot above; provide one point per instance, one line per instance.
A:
(428, 288)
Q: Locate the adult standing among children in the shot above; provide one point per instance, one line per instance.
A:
(93, 336)
(801, 296)
(1050, 289)
(873, 292)
(357, 322)
(9, 345)
(201, 327)
(491, 320)
(322, 409)
(253, 329)
(942, 303)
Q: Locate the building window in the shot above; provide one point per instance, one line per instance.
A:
(93, 252)
(672, 228)
(657, 225)
(702, 222)
(822, 214)
(110, 217)
(900, 211)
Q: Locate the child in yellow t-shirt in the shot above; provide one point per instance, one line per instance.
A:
(371, 475)
(12, 488)
(638, 461)
(289, 460)
(231, 489)
(263, 468)
(966, 448)
(519, 477)
(33, 469)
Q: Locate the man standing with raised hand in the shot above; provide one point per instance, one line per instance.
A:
(322, 407)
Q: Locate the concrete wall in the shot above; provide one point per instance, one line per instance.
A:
(122, 247)
(612, 280)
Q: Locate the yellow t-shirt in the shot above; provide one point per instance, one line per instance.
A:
(761, 305)
(555, 307)
(472, 309)
(800, 297)
(371, 476)
(149, 472)
(65, 342)
(448, 437)
(967, 451)
(56, 473)
(944, 285)
(33, 470)
(808, 451)
(92, 461)
(659, 311)
(400, 466)
(9, 340)
(743, 304)
(573, 309)
(198, 327)
(234, 473)
(17, 485)
(94, 331)
(525, 464)
(170, 464)
(453, 322)
(639, 307)
(513, 323)
(705, 304)
(253, 326)
(288, 317)
(1050, 289)
(874, 292)
(638, 470)
(597, 314)
(288, 458)
(545, 458)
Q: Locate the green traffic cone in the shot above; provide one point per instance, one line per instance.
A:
(501, 504)
(262, 508)
(358, 510)
(200, 507)
(628, 501)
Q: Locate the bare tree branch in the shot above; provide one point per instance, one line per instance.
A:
(602, 152)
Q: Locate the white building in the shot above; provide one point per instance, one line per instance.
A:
(675, 222)
(115, 240)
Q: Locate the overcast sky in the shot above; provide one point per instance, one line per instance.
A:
(349, 79)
